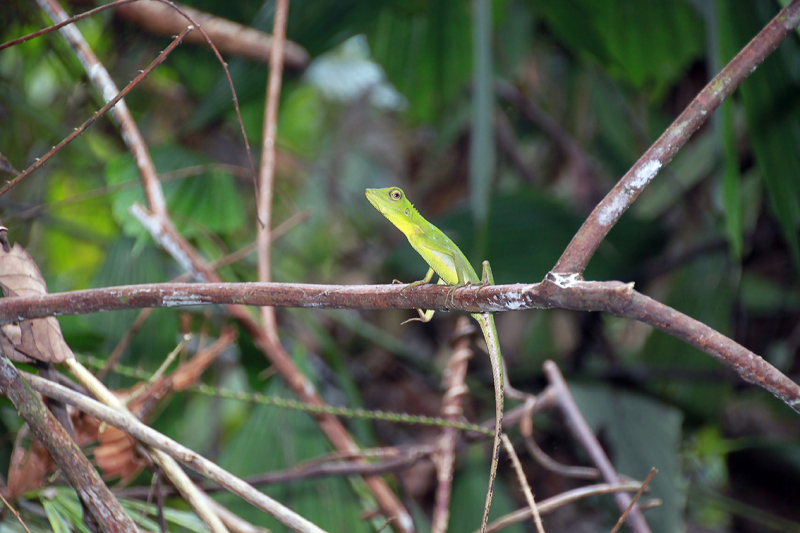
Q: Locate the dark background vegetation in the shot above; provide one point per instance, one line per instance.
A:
(715, 235)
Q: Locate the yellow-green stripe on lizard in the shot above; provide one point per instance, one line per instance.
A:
(449, 262)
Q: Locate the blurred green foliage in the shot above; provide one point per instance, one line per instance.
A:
(387, 100)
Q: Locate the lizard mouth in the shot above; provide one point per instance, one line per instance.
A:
(370, 194)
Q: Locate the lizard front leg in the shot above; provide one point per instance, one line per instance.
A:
(424, 315)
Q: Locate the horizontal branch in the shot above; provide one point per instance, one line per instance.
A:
(472, 299)
(565, 292)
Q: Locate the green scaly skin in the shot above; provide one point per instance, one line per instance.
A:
(451, 265)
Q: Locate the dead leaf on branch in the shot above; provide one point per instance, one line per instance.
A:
(39, 339)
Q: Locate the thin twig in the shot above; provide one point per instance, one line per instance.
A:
(639, 492)
(523, 481)
(63, 23)
(455, 389)
(99, 113)
(266, 178)
(551, 504)
(16, 513)
(583, 433)
(303, 473)
(157, 441)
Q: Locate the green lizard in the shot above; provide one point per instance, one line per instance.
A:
(449, 262)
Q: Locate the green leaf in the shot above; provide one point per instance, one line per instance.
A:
(703, 290)
(185, 519)
(469, 494)
(209, 200)
(63, 510)
(425, 49)
(771, 98)
(642, 434)
(57, 521)
(275, 439)
(646, 44)
(76, 241)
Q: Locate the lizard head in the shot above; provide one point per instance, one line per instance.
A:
(393, 204)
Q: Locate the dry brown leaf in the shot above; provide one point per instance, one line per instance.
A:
(86, 428)
(39, 339)
(29, 468)
(115, 454)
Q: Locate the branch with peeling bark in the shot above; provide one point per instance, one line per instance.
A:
(614, 297)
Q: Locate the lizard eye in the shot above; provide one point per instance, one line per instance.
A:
(396, 194)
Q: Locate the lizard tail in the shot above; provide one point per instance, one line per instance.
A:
(495, 461)
(490, 333)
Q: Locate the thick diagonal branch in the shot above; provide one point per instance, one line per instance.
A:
(168, 446)
(619, 199)
(83, 477)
